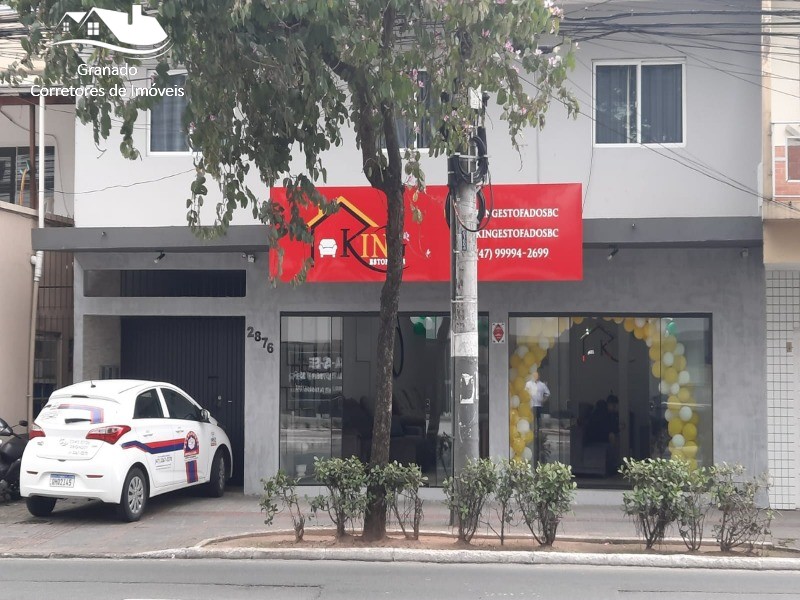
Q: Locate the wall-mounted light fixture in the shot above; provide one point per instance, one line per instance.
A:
(613, 253)
(160, 257)
(251, 258)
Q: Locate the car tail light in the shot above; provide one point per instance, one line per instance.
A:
(108, 433)
(35, 431)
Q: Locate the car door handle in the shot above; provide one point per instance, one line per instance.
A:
(179, 430)
(147, 434)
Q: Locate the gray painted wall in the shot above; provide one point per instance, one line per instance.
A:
(718, 282)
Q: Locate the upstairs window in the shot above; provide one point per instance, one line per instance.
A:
(411, 134)
(639, 103)
(167, 130)
(16, 173)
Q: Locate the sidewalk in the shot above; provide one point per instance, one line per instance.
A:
(183, 521)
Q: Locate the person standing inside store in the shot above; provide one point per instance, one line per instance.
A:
(539, 392)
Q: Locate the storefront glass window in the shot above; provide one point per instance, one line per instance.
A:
(328, 383)
(609, 388)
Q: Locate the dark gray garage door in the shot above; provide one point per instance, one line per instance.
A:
(202, 355)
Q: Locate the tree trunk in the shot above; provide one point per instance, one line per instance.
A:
(375, 521)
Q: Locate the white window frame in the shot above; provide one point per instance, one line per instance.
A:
(149, 121)
(786, 156)
(423, 150)
(638, 64)
(93, 29)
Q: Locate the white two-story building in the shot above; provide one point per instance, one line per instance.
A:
(656, 349)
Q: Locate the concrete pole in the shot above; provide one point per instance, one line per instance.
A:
(464, 319)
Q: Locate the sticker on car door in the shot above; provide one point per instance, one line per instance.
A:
(191, 449)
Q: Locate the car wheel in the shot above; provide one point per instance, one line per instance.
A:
(40, 506)
(134, 496)
(218, 475)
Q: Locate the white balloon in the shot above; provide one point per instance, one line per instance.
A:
(533, 369)
(544, 343)
(527, 454)
(675, 388)
(648, 341)
(428, 323)
(668, 415)
(523, 426)
(663, 387)
(680, 349)
(678, 440)
(668, 359)
(685, 413)
(514, 401)
(683, 377)
(639, 322)
(522, 351)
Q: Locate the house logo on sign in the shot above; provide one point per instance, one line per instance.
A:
(133, 34)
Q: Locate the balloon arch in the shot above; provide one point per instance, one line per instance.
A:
(537, 335)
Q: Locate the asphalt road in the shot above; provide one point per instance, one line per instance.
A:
(85, 579)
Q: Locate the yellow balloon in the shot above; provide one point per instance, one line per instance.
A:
(577, 320)
(692, 464)
(524, 397)
(515, 361)
(690, 451)
(525, 412)
(529, 359)
(519, 384)
(639, 333)
(628, 324)
(669, 343)
(684, 394)
(657, 369)
(518, 446)
(654, 332)
(695, 418)
(674, 427)
(677, 453)
(655, 352)
(680, 362)
(670, 375)
(673, 404)
(528, 437)
(514, 414)
(690, 432)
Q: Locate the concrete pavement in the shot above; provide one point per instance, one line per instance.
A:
(178, 525)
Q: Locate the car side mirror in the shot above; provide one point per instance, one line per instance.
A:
(4, 428)
(205, 416)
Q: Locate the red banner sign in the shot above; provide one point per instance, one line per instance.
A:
(534, 233)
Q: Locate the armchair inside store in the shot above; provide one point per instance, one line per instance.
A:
(327, 392)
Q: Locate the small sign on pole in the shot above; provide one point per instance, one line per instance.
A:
(499, 333)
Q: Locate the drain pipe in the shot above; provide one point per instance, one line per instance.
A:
(37, 261)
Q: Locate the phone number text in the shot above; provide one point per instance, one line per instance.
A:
(492, 253)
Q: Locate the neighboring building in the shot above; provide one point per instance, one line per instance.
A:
(781, 213)
(18, 215)
(666, 326)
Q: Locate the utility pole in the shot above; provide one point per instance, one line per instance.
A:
(467, 171)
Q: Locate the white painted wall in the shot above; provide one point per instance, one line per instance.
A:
(723, 99)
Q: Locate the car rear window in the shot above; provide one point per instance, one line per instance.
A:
(80, 410)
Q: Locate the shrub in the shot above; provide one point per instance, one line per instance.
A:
(401, 484)
(655, 500)
(281, 488)
(741, 520)
(346, 500)
(466, 494)
(543, 497)
(694, 506)
(511, 475)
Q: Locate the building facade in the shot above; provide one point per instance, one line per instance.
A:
(659, 349)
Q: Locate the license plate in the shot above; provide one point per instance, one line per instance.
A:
(62, 481)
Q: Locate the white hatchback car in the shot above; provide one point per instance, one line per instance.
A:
(122, 442)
